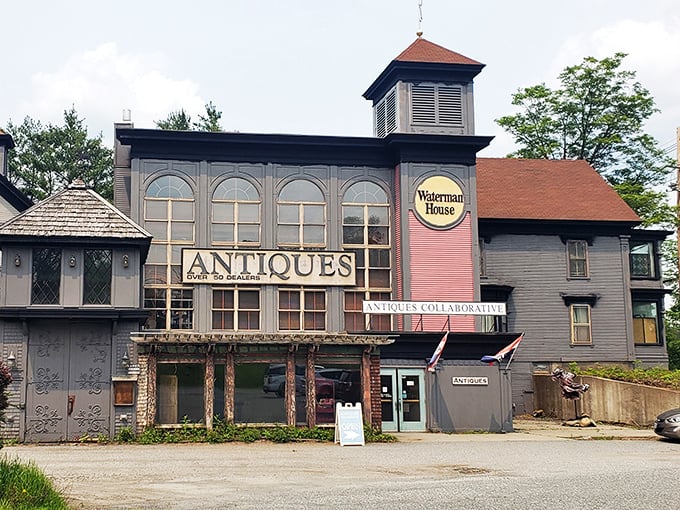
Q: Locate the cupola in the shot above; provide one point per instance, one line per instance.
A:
(426, 89)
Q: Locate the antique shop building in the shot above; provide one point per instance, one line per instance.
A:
(263, 251)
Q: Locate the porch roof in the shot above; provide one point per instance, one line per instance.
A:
(189, 337)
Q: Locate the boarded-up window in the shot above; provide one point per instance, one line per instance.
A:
(123, 393)
(645, 323)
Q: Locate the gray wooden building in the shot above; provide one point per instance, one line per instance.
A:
(264, 249)
(70, 298)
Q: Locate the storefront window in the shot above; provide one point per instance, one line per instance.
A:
(258, 396)
(336, 383)
(180, 393)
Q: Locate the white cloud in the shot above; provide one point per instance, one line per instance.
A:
(100, 83)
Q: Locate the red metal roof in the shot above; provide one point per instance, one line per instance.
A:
(543, 189)
(422, 50)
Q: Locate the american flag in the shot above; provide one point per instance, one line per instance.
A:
(505, 351)
(437, 353)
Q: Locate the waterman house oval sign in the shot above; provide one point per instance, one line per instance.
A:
(439, 202)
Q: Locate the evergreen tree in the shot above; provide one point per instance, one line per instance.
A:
(47, 158)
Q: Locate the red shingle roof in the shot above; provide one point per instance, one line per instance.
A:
(542, 189)
(422, 50)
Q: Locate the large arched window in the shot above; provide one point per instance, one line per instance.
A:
(301, 215)
(236, 213)
(169, 217)
(366, 232)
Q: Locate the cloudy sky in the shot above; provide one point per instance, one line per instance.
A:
(301, 66)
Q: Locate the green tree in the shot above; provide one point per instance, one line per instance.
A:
(672, 314)
(181, 120)
(47, 158)
(597, 113)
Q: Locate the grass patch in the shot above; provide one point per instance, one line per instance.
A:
(25, 487)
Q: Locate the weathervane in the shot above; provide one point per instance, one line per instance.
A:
(419, 33)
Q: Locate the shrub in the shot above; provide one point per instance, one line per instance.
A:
(658, 377)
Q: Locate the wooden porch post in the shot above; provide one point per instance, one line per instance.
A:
(290, 386)
(311, 386)
(229, 388)
(366, 384)
(209, 387)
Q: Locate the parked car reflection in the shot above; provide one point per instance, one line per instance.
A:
(667, 424)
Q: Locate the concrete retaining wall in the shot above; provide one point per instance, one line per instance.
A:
(607, 400)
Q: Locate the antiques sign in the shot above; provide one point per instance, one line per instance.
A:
(470, 381)
(268, 267)
(433, 308)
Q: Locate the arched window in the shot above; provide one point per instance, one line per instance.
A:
(169, 217)
(236, 213)
(366, 232)
(301, 215)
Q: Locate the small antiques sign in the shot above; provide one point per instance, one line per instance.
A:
(470, 381)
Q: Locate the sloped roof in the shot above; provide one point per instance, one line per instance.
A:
(75, 212)
(542, 189)
(424, 61)
(422, 50)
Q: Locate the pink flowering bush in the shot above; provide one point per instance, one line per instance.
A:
(5, 380)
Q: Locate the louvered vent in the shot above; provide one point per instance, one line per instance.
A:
(386, 114)
(436, 105)
(423, 104)
(450, 106)
(391, 112)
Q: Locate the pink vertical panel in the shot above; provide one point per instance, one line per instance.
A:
(399, 272)
(441, 270)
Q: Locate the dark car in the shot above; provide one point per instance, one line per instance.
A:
(667, 424)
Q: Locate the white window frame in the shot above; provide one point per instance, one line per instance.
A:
(579, 326)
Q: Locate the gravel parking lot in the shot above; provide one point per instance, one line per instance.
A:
(484, 471)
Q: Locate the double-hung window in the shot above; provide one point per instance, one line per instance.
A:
(577, 257)
(581, 332)
(302, 310)
(236, 309)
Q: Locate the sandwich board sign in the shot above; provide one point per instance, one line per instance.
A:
(349, 424)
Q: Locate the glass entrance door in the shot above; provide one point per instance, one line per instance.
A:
(403, 399)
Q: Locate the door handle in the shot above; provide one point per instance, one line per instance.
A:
(71, 403)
